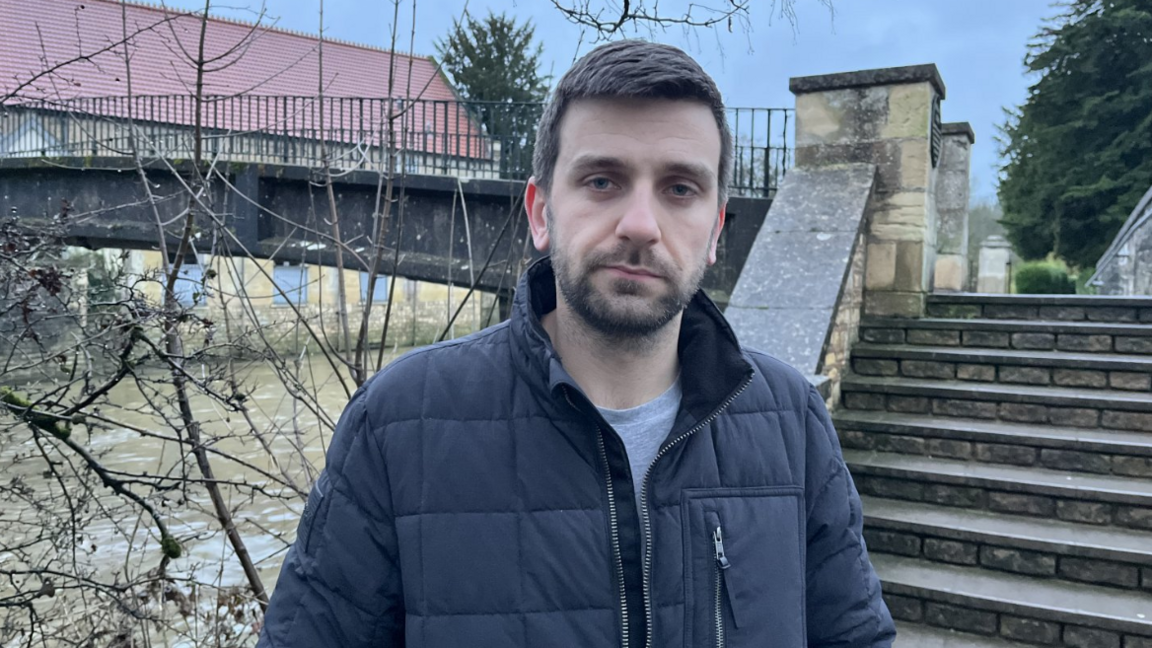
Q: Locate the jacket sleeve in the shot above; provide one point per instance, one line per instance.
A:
(340, 583)
(845, 607)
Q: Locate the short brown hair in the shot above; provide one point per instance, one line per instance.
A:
(630, 69)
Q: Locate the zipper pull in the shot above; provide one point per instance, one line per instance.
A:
(718, 542)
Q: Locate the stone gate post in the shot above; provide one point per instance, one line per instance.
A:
(891, 118)
(995, 265)
(952, 192)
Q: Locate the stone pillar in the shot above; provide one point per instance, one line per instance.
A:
(505, 305)
(247, 206)
(952, 187)
(884, 117)
(995, 262)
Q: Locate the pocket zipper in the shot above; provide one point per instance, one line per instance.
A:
(722, 564)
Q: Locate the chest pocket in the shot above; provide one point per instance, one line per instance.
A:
(744, 567)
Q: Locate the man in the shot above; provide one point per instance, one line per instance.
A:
(609, 467)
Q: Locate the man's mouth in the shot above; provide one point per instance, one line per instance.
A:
(632, 273)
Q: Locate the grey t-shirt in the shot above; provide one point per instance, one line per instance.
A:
(643, 429)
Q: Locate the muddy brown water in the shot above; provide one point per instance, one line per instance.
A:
(120, 539)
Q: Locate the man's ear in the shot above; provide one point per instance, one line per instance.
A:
(716, 233)
(536, 205)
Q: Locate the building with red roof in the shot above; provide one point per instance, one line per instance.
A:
(111, 78)
(73, 71)
(60, 49)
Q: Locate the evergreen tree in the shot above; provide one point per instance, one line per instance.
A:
(496, 61)
(1079, 151)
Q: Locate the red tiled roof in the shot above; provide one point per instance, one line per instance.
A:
(259, 79)
(38, 34)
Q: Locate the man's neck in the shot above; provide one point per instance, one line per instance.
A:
(614, 373)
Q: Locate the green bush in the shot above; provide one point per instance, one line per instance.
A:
(1043, 278)
(1081, 277)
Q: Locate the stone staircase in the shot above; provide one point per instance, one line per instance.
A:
(1003, 450)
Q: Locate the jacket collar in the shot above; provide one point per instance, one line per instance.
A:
(712, 363)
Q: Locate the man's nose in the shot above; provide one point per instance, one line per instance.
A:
(639, 222)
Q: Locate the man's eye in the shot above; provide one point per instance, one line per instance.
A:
(682, 191)
(600, 184)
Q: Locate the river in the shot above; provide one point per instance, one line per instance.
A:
(119, 540)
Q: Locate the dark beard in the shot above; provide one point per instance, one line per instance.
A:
(598, 312)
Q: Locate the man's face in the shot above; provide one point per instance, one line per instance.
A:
(632, 218)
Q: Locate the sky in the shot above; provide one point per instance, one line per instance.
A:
(978, 45)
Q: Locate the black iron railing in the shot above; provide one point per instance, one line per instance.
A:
(469, 138)
(763, 149)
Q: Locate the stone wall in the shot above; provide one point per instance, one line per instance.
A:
(846, 325)
(1126, 267)
(246, 288)
(411, 323)
(1130, 271)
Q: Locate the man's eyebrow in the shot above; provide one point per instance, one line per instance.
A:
(589, 162)
(696, 171)
(693, 170)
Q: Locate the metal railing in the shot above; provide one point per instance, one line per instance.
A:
(763, 149)
(1118, 250)
(467, 138)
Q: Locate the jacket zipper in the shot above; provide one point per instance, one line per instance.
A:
(613, 527)
(612, 524)
(644, 503)
(721, 564)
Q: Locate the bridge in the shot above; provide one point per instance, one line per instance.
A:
(455, 172)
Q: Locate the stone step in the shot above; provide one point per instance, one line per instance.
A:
(1091, 499)
(915, 635)
(1014, 607)
(1014, 366)
(1062, 406)
(1046, 548)
(1043, 307)
(1086, 337)
(1073, 449)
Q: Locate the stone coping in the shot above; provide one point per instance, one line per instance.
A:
(927, 73)
(790, 286)
(1039, 300)
(959, 128)
(1012, 326)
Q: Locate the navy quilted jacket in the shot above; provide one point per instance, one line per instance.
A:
(474, 497)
